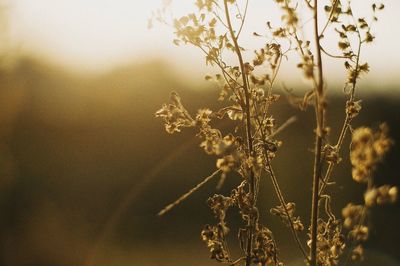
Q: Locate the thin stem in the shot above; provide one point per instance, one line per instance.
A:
(338, 145)
(225, 74)
(283, 203)
(187, 194)
(252, 185)
(346, 123)
(244, 78)
(308, 3)
(334, 6)
(287, 123)
(237, 261)
(269, 94)
(243, 18)
(275, 183)
(353, 242)
(319, 109)
(334, 56)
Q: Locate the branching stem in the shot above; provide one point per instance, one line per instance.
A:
(319, 109)
(283, 203)
(346, 123)
(246, 88)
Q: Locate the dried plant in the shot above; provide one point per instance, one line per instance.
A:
(247, 88)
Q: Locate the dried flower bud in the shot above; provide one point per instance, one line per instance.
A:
(381, 195)
(359, 233)
(386, 194)
(203, 116)
(213, 236)
(331, 154)
(368, 148)
(352, 215)
(265, 251)
(362, 135)
(219, 204)
(393, 192)
(360, 174)
(370, 197)
(226, 163)
(175, 115)
(248, 68)
(353, 108)
(235, 113)
(290, 208)
(357, 254)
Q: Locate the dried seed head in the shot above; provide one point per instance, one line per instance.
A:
(226, 163)
(362, 135)
(352, 214)
(213, 236)
(357, 254)
(353, 108)
(368, 148)
(175, 116)
(359, 233)
(382, 195)
(282, 213)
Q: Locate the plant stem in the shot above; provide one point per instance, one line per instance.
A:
(252, 185)
(187, 194)
(319, 109)
(346, 123)
(283, 203)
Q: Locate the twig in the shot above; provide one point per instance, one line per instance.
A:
(237, 261)
(243, 18)
(319, 110)
(287, 123)
(252, 185)
(186, 195)
(334, 6)
(283, 203)
(346, 123)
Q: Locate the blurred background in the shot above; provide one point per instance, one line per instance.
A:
(85, 166)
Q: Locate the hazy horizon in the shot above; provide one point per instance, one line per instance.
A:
(98, 36)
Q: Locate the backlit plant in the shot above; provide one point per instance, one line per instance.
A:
(247, 88)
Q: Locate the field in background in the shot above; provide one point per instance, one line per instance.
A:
(85, 167)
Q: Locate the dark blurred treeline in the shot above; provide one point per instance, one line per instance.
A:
(85, 167)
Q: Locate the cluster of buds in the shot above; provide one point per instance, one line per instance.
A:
(283, 214)
(265, 251)
(359, 233)
(368, 148)
(331, 154)
(353, 220)
(175, 115)
(219, 204)
(330, 242)
(214, 238)
(243, 201)
(352, 215)
(381, 195)
(357, 254)
(353, 108)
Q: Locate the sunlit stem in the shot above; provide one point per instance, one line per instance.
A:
(319, 110)
(252, 185)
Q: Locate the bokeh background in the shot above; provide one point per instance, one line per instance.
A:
(85, 166)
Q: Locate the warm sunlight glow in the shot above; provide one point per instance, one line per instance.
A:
(87, 33)
(100, 34)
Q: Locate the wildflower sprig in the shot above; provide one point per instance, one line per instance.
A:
(247, 92)
(367, 149)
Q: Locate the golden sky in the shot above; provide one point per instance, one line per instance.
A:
(91, 35)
